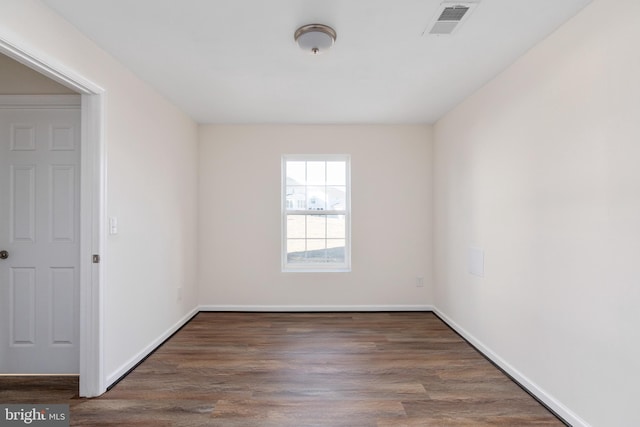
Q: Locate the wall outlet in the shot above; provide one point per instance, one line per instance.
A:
(419, 282)
(179, 293)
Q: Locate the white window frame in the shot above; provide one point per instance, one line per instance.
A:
(316, 266)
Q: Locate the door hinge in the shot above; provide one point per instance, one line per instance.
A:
(96, 258)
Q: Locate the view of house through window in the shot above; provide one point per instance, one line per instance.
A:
(316, 213)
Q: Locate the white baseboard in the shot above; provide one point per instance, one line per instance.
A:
(315, 308)
(555, 405)
(115, 376)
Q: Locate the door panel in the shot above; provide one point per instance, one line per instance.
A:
(23, 202)
(63, 195)
(23, 320)
(39, 227)
(23, 137)
(62, 296)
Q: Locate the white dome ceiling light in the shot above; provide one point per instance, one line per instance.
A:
(315, 38)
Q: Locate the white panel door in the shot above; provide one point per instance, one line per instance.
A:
(39, 230)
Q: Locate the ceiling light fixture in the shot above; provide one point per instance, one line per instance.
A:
(315, 38)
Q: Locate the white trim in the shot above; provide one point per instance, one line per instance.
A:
(93, 196)
(314, 308)
(40, 101)
(131, 363)
(49, 67)
(553, 403)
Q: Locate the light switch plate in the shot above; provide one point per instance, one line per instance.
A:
(113, 225)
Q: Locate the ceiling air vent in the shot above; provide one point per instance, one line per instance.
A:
(449, 17)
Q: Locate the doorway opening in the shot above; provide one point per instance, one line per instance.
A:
(91, 211)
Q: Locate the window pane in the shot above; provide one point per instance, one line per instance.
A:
(316, 226)
(296, 173)
(316, 250)
(296, 250)
(336, 198)
(315, 173)
(296, 227)
(335, 243)
(335, 251)
(296, 198)
(336, 227)
(336, 173)
(316, 198)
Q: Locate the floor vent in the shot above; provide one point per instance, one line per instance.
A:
(449, 17)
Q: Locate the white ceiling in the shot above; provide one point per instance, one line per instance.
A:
(235, 61)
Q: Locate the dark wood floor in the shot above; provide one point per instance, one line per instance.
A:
(302, 369)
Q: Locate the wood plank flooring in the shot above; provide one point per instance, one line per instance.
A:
(302, 369)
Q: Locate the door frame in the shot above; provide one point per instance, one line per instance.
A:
(92, 210)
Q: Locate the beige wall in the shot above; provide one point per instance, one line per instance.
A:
(151, 179)
(540, 169)
(240, 221)
(17, 79)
